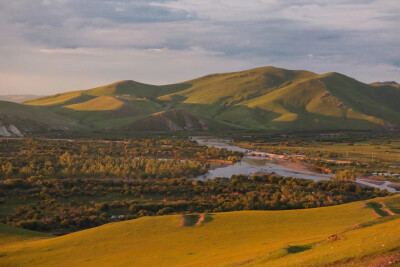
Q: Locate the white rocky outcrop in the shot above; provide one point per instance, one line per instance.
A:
(10, 131)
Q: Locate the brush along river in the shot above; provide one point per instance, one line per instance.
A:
(260, 162)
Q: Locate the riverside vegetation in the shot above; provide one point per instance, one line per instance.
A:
(62, 186)
(347, 154)
(140, 158)
(61, 206)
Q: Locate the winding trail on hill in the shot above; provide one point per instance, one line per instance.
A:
(386, 209)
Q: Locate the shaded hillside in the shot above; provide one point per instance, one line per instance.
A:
(262, 98)
(172, 120)
(21, 120)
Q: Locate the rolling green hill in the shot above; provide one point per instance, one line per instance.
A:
(351, 234)
(264, 98)
(21, 120)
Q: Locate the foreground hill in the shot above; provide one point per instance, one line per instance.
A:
(264, 98)
(345, 234)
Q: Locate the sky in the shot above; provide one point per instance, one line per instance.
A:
(53, 46)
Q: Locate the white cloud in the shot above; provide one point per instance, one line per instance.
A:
(77, 51)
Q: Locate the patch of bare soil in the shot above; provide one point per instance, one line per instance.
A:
(373, 181)
(395, 186)
(200, 220)
(334, 238)
(195, 219)
(378, 178)
(385, 208)
(293, 165)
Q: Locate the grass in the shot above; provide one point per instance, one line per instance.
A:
(353, 246)
(262, 98)
(12, 235)
(377, 208)
(232, 238)
(357, 151)
(99, 103)
(34, 118)
(393, 204)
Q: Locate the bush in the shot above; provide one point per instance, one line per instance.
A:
(165, 211)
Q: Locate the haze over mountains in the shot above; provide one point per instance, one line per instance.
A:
(18, 98)
(266, 98)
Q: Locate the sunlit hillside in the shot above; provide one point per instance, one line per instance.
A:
(341, 234)
(264, 98)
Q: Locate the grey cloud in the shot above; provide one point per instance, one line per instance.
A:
(181, 35)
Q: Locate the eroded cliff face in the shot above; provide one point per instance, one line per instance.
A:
(171, 120)
(10, 130)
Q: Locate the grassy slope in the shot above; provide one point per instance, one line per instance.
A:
(229, 238)
(99, 103)
(275, 98)
(33, 117)
(125, 89)
(12, 235)
(262, 98)
(178, 118)
(380, 101)
(370, 241)
(385, 84)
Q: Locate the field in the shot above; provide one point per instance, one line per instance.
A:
(351, 233)
(374, 157)
(359, 151)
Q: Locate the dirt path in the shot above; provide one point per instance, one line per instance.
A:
(380, 209)
(193, 219)
(201, 220)
(385, 208)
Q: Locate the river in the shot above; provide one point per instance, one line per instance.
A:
(250, 165)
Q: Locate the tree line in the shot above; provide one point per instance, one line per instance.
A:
(65, 205)
(136, 158)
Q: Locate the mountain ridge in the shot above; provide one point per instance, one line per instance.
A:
(266, 98)
(18, 98)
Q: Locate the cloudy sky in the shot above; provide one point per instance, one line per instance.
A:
(51, 46)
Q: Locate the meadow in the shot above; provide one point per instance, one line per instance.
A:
(349, 234)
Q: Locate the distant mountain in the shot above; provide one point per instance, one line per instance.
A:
(265, 98)
(18, 98)
(390, 83)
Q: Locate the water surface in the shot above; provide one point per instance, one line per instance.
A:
(250, 165)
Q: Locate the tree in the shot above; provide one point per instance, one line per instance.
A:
(346, 175)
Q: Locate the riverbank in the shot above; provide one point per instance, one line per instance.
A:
(273, 164)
